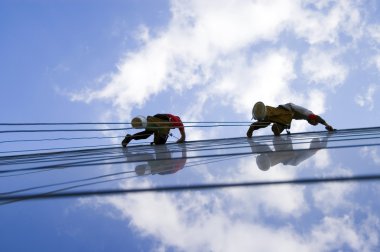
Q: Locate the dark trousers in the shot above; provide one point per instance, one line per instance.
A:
(277, 128)
(158, 138)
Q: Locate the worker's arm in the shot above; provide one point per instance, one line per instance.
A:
(176, 122)
(323, 122)
(255, 126)
(183, 135)
(328, 127)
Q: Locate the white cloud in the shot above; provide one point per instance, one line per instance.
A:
(182, 221)
(291, 202)
(208, 46)
(372, 152)
(265, 77)
(336, 194)
(339, 195)
(334, 233)
(374, 32)
(230, 54)
(227, 26)
(321, 67)
(188, 51)
(228, 220)
(377, 62)
(322, 159)
(367, 99)
(330, 18)
(248, 219)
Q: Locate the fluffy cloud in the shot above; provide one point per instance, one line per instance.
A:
(182, 221)
(367, 99)
(291, 202)
(244, 219)
(337, 195)
(229, 50)
(246, 82)
(297, 218)
(333, 233)
(186, 217)
(372, 152)
(377, 62)
(326, 19)
(374, 32)
(230, 54)
(321, 67)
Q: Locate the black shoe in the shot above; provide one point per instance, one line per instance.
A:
(126, 140)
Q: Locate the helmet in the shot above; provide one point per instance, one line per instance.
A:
(259, 111)
(139, 122)
(263, 162)
(142, 169)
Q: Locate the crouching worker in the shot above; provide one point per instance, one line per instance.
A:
(158, 125)
(281, 117)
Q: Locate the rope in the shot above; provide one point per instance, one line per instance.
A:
(221, 149)
(108, 192)
(101, 161)
(98, 123)
(58, 139)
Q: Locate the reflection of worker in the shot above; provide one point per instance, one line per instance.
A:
(285, 154)
(281, 117)
(158, 125)
(262, 149)
(258, 148)
(163, 164)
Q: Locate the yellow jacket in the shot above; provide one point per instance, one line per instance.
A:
(157, 125)
(278, 115)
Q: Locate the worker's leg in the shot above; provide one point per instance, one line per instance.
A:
(138, 136)
(160, 138)
(257, 125)
(142, 135)
(277, 128)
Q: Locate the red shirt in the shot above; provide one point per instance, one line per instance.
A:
(176, 122)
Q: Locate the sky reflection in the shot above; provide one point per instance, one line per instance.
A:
(307, 217)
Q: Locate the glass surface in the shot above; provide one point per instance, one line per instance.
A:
(327, 199)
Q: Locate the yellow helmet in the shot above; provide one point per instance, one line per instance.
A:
(259, 111)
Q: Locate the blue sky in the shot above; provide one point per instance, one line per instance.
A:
(92, 61)
(109, 61)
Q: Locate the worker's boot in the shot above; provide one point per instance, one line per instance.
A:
(126, 140)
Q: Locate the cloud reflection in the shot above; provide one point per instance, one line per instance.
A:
(292, 218)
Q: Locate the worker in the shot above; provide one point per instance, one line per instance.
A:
(281, 117)
(158, 125)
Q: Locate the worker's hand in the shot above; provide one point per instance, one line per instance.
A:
(181, 140)
(126, 140)
(250, 132)
(329, 128)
